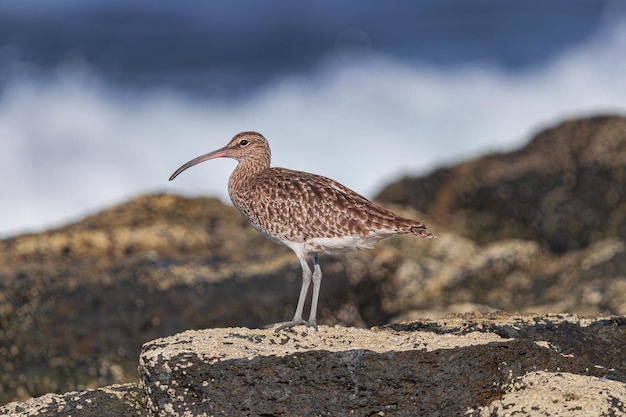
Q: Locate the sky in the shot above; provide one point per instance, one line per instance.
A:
(100, 102)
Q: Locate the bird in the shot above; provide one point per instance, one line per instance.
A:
(308, 213)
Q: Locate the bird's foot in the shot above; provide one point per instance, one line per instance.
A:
(296, 322)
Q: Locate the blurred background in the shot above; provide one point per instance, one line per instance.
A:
(102, 100)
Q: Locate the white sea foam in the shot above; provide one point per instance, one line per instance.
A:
(73, 144)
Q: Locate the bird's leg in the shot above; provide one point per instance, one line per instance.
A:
(317, 282)
(306, 280)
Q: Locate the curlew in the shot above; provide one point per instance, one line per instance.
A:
(310, 214)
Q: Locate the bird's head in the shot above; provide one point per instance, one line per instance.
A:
(245, 147)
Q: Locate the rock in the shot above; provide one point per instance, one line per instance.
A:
(438, 368)
(510, 275)
(77, 303)
(112, 401)
(557, 394)
(474, 365)
(77, 321)
(565, 189)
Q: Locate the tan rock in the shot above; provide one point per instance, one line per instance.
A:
(77, 303)
(557, 394)
(494, 364)
(442, 368)
(112, 401)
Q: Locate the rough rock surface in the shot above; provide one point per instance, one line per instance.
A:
(78, 302)
(475, 365)
(444, 368)
(113, 401)
(557, 394)
(565, 189)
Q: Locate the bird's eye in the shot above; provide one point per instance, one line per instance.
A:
(243, 142)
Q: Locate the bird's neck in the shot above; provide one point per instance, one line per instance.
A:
(244, 172)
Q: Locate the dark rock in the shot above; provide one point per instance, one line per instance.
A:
(78, 324)
(118, 400)
(475, 365)
(564, 189)
(77, 303)
(395, 370)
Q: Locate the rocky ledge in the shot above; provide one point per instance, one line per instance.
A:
(473, 365)
(539, 230)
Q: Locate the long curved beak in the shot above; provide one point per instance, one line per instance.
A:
(220, 153)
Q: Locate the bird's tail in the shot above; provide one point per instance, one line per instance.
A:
(420, 230)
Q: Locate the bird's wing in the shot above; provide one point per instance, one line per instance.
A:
(302, 204)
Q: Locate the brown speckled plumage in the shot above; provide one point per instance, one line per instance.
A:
(308, 213)
(298, 206)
